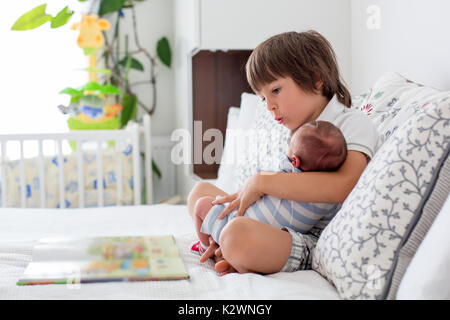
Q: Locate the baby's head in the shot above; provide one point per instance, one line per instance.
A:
(317, 146)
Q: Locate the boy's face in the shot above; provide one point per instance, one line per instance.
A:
(289, 104)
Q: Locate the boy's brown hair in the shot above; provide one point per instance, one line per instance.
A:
(306, 57)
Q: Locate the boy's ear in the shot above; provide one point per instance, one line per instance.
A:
(319, 84)
(296, 161)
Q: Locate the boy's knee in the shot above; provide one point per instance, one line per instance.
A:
(235, 239)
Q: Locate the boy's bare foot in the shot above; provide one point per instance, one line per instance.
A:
(224, 267)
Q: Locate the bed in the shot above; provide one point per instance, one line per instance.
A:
(20, 228)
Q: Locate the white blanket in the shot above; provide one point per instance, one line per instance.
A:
(21, 228)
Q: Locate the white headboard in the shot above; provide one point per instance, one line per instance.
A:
(412, 39)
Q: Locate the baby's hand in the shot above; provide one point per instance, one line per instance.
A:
(210, 251)
(232, 199)
(243, 198)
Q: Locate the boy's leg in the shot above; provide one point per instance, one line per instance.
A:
(252, 246)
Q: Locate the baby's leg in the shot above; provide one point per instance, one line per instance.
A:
(201, 209)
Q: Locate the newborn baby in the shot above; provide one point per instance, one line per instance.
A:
(314, 146)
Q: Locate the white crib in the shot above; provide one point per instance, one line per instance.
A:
(99, 138)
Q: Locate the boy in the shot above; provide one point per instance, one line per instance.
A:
(314, 146)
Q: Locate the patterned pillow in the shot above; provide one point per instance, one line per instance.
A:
(357, 100)
(261, 145)
(393, 99)
(358, 250)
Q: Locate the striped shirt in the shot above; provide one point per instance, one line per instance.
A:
(279, 213)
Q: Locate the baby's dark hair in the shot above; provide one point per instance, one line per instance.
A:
(306, 57)
(320, 146)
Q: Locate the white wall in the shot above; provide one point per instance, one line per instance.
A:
(238, 24)
(235, 24)
(413, 39)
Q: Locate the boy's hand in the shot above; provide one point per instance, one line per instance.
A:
(242, 199)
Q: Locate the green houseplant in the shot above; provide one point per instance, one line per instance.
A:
(117, 58)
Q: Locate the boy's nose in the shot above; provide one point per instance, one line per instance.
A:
(270, 105)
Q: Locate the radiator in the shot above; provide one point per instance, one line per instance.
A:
(166, 186)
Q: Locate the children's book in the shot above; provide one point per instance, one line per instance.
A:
(69, 261)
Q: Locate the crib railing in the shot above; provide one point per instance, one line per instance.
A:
(132, 134)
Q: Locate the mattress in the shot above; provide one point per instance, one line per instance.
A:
(21, 228)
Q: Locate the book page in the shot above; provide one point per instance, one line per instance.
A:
(57, 260)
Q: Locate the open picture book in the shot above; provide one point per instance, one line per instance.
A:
(70, 261)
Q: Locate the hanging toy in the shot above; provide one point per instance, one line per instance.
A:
(92, 111)
(91, 39)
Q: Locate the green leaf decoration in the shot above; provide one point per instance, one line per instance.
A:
(164, 52)
(108, 6)
(135, 64)
(76, 98)
(71, 91)
(109, 89)
(91, 86)
(32, 19)
(61, 18)
(129, 111)
(90, 51)
(100, 70)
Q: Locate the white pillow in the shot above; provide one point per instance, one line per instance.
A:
(247, 114)
(428, 275)
(364, 248)
(393, 99)
(226, 177)
(262, 140)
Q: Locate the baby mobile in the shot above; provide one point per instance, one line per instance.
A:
(91, 106)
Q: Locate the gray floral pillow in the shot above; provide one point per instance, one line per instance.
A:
(358, 250)
(261, 145)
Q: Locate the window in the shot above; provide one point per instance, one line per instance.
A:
(35, 65)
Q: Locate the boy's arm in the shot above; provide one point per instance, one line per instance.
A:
(331, 187)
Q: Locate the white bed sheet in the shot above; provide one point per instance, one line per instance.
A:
(21, 228)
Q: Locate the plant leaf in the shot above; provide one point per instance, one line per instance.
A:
(32, 19)
(61, 18)
(135, 64)
(163, 51)
(109, 89)
(156, 169)
(129, 111)
(108, 6)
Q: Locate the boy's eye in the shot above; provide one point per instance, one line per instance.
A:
(276, 90)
